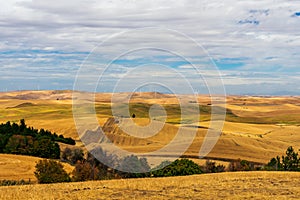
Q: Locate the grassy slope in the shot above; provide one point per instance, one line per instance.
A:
(238, 185)
(17, 167)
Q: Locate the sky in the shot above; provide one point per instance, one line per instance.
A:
(251, 47)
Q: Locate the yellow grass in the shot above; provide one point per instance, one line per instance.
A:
(259, 129)
(17, 167)
(238, 185)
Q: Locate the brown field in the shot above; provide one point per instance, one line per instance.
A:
(256, 128)
(17, 167)
(234, 185)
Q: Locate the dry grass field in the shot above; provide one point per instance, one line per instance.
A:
(17, 167)
(256, 128)
(237, 185)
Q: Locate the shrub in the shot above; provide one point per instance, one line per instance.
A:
(241, 165)
(50, 171)
(180, 167)
(211, 167)
(13, 182)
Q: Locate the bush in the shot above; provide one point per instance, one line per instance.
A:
(50, 171)
(211, 167)
(241, 165)
(13, 182)
(180, 167)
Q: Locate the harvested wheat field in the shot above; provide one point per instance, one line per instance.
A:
(237, 185)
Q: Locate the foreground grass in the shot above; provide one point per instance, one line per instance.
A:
(238, 185)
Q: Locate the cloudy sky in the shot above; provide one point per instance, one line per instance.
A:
(254, 46)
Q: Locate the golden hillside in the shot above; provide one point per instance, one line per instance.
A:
(17, 167)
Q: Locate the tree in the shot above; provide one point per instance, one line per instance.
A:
(290, 162)
(92, 169)
(133, 167)
(180, 167)
(66, 154)
(72, 155)
(45, 148)
(84, 171)
(50, 171)
(19, 144)
(22, 125)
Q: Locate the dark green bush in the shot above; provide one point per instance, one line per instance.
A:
(50, 171)
(180, 167)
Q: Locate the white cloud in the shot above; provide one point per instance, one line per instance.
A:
(271, 44)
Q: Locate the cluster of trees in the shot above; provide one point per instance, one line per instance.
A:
(20, 139)
(289, 162)
(90, 168)
(87, 167)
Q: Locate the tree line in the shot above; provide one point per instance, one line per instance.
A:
(21, 139)
(89, 168)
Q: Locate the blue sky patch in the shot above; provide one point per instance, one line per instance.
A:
(296, 14)
(247, 21)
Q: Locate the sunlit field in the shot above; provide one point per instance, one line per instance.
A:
(256, 128)
(237, 185)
